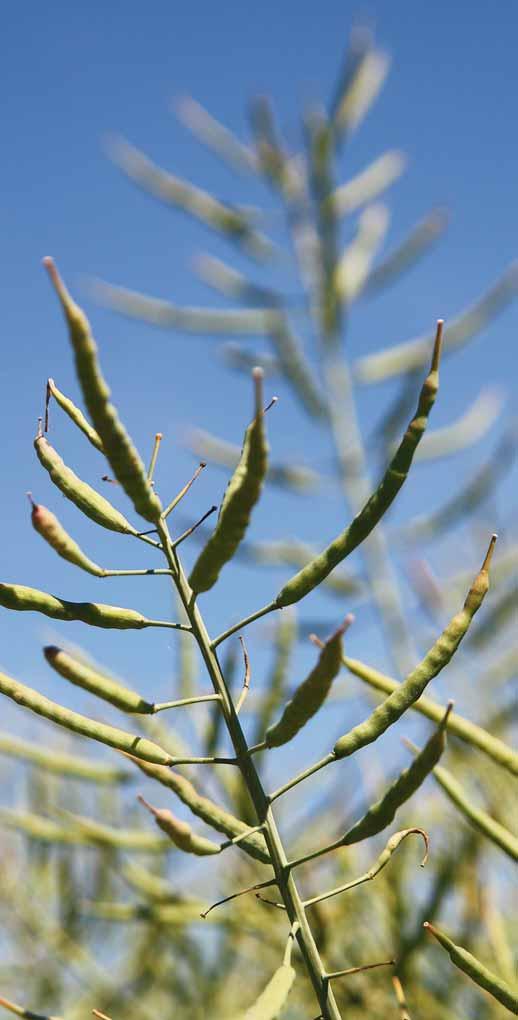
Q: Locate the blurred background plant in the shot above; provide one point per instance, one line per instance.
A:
(92, 920)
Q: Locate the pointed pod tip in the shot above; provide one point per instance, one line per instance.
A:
(437, 346)
(489, 555)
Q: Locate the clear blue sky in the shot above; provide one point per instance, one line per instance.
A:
(75, 72)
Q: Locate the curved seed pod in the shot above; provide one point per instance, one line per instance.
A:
(311, 693)
(437, 658)
(223, 218)
(273, 998)
(123, 839)
(480, 819)
(363, 84)
(368, 184)
(416, 244)
(469, 965)
(382, 813)
(213, 814)
(353, 267)
(180, 833)
(85, 498)
(123, 457)
(67, 765)
(412, 354)
(214, 135)
(242, 493)
(74, 413)
(19, 597)
(13, 1007)
(96, 683)
(359, 529)
(110, 735)
(48, 526)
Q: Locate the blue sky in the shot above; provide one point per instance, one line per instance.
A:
(73, 73)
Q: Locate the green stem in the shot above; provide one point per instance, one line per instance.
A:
(244, 623)
(185, 701)
(283, 877)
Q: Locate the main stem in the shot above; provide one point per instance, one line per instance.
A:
(283, 875)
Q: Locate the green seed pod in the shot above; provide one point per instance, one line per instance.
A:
(37, 827)
(213, 814)
(478, 818)
(74, 413)
(110, 735)
(19, 597)
(311, 693)
(241, 495)
(412, 688)
(117, 445)
(469, 965)
(65, 765)
(382, 813)
(87, 499)
(359, 529)
(96, 683)
(465, 730)
(180, 833)
(48, 526)
(158, 889)
(273, 998)
(284, 641)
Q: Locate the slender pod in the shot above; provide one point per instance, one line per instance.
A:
(364, 522)
(284, 641)
(122, 839)
(311, 693)
(382, 813)
(95, 506)
(19, 597)
(478, 818)
(117, 445)
(180, 833)
(74, 413)
(97, 683)
(61, 764)
(469, 965)
(273, 998)
(462, 728)
(138, 747)
(38, 827)
(411, 689)
(211, 813)
(48, 526)
(241, 495)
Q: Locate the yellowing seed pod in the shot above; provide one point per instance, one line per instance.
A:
(96, 683)
(241, 495)
(74, 413)
(181, 833)
(117, 445)
(87, 499)
(48, 526)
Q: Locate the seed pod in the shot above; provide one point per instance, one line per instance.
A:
(359, 529)
(138, 747)
(469, 965)
(117, 445)
(96, 683)
(19, 597)
(87, 499)
(242, 493)
(480, 819)
(311, 694)
(465, 730)
(123, 839)
(284, 640)
(74, 413)
(411, 689)
(38, 827)
(48, 526)
(213, 814)
(382, 813)
(151, 885)
(273, 998)
(65, 765)
(180, 833)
